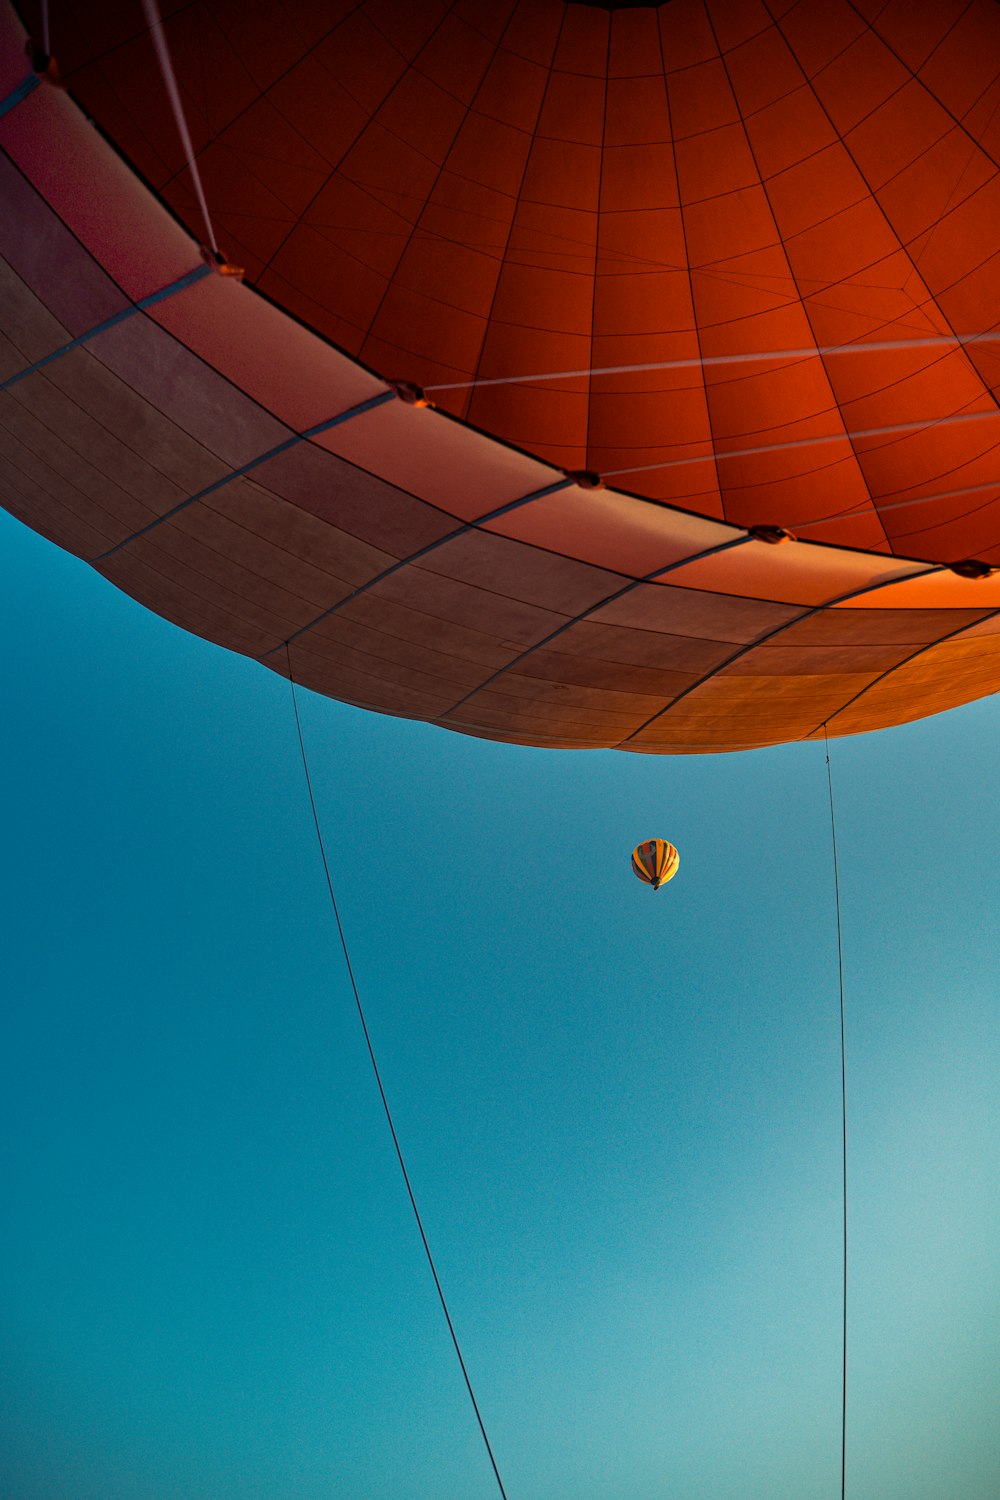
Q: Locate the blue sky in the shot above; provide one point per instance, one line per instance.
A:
(620, 1110)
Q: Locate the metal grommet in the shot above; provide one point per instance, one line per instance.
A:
(773, 535)
(587, 479)
(412, 395)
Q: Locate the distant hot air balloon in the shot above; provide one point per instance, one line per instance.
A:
(655, 862)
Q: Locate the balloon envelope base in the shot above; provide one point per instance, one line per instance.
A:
(251, 478)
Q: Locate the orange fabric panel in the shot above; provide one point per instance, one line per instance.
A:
(565, 188)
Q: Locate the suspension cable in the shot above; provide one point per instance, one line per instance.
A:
(750, 357)
(378, 1078)
(155, 23)
(843, 1115)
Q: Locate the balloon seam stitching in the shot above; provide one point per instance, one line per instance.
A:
(690, 274)
(920, 651)
(180, 285)
(869, 588)
(475, 382)
(248, 468)
(19, 93)
(890, 226)
(803, 299)
(590, 610)
(415, 557)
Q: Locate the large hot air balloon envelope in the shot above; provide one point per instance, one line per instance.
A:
(703, 299)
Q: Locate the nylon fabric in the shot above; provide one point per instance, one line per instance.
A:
(655, 861)
(460, 198)
(760, 244)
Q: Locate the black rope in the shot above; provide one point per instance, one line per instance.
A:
(378, 1078)
(843, 1113)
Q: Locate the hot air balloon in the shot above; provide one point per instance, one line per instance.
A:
(655, 862)
(599, 376)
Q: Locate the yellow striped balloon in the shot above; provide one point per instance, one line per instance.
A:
(655, 861)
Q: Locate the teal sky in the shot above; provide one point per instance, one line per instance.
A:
(620, 1110)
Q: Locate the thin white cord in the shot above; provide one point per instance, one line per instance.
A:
(153, 17)
(720, 455)
(826, 351)
(870, 509)
(843, 1118)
